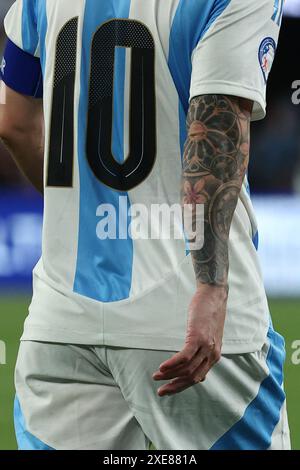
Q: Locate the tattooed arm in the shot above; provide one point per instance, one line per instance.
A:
(214, 166)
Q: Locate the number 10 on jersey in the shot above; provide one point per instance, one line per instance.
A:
(142, 119)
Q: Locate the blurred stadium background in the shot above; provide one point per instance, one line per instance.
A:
(275, 181)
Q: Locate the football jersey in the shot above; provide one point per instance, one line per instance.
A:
(116, 79)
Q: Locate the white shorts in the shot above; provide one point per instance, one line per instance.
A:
(83, 397)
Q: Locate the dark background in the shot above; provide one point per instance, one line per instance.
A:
(275, 152)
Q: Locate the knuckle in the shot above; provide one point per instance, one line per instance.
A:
(217, 355)
(190, 372)
(186, 358)
(208, 344)
(211, 345)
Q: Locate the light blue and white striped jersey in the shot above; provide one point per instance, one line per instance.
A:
(117, 79)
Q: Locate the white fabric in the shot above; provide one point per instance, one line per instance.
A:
(154, 312)
(226, 59)
(77, 398)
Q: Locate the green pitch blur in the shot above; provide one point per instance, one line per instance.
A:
(286, 318)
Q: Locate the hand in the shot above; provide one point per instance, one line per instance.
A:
(203, 342)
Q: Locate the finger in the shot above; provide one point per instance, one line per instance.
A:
(179, 359)
(176, 386)
(204, 369)
(181, 371)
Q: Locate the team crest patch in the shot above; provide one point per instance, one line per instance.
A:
(266, 56)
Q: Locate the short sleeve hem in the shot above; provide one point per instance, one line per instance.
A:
(233, 89)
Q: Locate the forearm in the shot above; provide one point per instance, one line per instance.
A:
(22, 132)
(27, 150)
(215, 162)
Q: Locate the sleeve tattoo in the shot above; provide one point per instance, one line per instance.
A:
(215, 162)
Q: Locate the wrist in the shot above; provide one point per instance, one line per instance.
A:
(216, 289)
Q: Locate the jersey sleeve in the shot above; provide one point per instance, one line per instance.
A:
(20, 26)
(21, 67)
(235, 55)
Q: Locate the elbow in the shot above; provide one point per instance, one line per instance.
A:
(5, 136)
(6, 130)
(10, 132)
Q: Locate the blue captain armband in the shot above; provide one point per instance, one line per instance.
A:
(21, 71)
